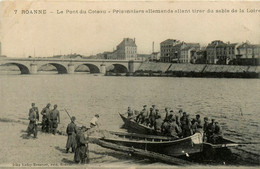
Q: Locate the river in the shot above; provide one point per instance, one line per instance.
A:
(234, 103)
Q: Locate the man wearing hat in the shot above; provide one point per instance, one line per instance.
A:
(32, 127)
(143, 115)
(205, 128)
(71, 132)
(211, 130)
(94, 121)
(54, 119)
(81, 153)
(46, 117)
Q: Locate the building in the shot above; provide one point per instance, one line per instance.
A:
(166, 47)
(216, 51)
(155, 56)
(247, 50)
(126, 50)
(179, 52)
(187, 52)
(231, 50)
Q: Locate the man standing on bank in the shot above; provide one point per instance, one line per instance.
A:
(81, 153)
(54, 119)
(32, 127)
(71, 132)
(46, 118)
(94, 121)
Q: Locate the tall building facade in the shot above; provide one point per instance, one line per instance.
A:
(175, 51)
(126, 50)
(216, 50)
(247, 50)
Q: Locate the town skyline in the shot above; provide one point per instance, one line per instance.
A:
(53, 34)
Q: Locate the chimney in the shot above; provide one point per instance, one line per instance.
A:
(153, 47)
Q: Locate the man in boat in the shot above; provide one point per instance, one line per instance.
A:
(194, 126)
(186, 124)
(71, 132)
(81, 153)
(143, 116)
(174, 129)
(94, 121)
(46, 118)
(205, 129)
(54, 119)
(166, 114)
(158, 123)
(217, 135)
(199, 125)
(152, 117)
(165, 127)
(211, 130)
(32, 127)
(130, 113)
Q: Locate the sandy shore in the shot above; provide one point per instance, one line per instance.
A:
(49, 151)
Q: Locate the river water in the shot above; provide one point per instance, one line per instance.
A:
(232, 102)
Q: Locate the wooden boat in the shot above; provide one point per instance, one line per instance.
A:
(132, 125)
(164, 145)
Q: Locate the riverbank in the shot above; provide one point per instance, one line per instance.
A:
(49, 150)
(194, 70)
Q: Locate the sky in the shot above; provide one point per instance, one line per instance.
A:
(43, 35)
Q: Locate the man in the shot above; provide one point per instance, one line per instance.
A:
(94, 121)
(46, 118)
(217, 135)
(32, 127)
(130, 113)
(194, 126)
(81, 153)
(186, 124)
(152, 116)
(166, 114)
(174, 129)
(143, 116)
(199, 125)
(211, 130)
(71, 132)
(158, 123)
(54, 119)
(205, 129)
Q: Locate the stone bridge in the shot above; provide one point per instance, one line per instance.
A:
(32, 65)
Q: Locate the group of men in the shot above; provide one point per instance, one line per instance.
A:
(176, 124)
(77, 141)
(50, 119)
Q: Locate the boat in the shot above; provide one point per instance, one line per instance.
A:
(160, 144)
(132, 125)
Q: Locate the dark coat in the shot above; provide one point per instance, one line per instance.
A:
(81, 152)
(71, 132)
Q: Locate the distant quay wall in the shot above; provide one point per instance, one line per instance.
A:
(196, 70)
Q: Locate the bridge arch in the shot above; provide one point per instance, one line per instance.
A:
(23, 68)
(118, 68)
(92, 68)
(59, 67)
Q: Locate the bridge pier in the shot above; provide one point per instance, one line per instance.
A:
(71, 68)
(33, 68)
(103, 68)
(131, 66)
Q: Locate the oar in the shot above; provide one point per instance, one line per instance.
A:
(70, 117)
(248, 143)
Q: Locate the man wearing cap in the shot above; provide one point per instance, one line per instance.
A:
(174, 129)
(152, 117)
(32, 127)
(217, 135)
(205, 128)
(54, 119)
(71, 132)
(94, 121)
(81, 153)
(46, 118)
(211, 130)
(130, 113)
(143, 116)
(158, 123)
(199, 125)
